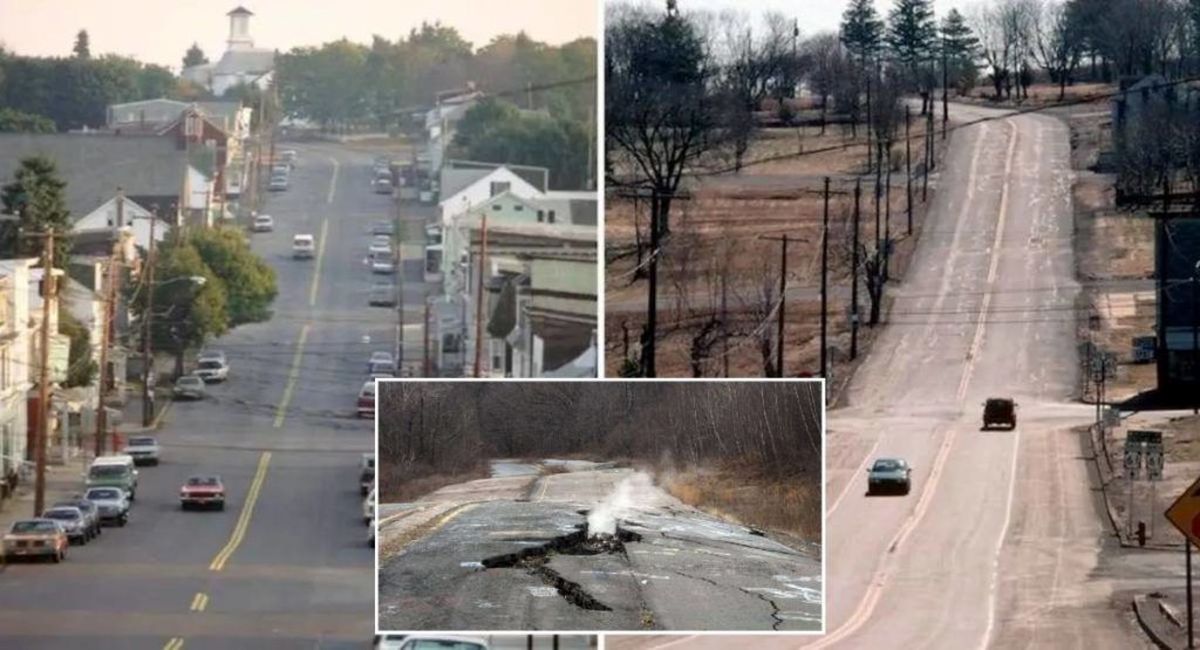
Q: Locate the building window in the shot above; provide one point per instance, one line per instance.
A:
(5, 373)
(518, 208)
(550, 217)
(541, 216)
(496, 207)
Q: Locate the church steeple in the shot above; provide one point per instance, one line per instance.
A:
(239, 29)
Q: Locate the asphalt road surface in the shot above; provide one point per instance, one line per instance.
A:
(516, 553)
(999, 544)
(286, 565)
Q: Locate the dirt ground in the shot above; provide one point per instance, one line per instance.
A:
(716, 234)
(1111, 247)
(1040, 94)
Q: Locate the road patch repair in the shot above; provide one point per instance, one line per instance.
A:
(599, 549)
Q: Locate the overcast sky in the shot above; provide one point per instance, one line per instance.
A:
(160, 31)
(814, 15)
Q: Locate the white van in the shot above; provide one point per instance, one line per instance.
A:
(303, 247)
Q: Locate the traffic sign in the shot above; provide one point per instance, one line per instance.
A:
(1184, 514)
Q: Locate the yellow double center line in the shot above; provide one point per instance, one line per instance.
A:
(174, 644)
(239, 531)
(316, 281)
(199, 602)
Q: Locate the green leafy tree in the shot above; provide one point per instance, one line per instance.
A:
(13, 121)
(186, 314)
(194, 56)
(250, 283)
(82, 367)
(82, 50)
(154, 81)
(36, 196)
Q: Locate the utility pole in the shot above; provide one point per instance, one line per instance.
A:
(868, 76)
(43, 429)
(925, 176)
(908, 161)
(887, 214)
(428, 371)
(147, 318)
(854, 277)
(825, 285)
(479, 296)
(945, 90)
(932, 163)
(782, 302)
(724, 325)
(110, 296)
(652, 291)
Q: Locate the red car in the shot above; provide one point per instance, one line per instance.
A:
(366, 400)
(202, 491)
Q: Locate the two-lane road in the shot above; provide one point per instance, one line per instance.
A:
(286, 564)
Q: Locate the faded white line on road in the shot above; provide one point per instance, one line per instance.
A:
(850, 483)
(993, 267)
(1012, 484)
(332, 181)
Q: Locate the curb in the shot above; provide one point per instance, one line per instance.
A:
(1138, 602)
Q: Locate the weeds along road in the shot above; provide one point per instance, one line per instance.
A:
(996, 545)
(513, 553)
(286, 564)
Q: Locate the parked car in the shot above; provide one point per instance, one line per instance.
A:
(117, 471)
(382, 185)
(385, 228)
(143, 450)
(389, 641)
(303, 247)
(371, 533)
(382, 295)
(263, 223)
(380, 356)
(36, 538)
(208, 355)
(212, 371)
(73, 522)
(432, 642)
(366, 400)
(111, 503)
(91, 514)
(889, 474)
(206, 490)
(278, 184)
(288, 156)
(383, 263)
(188, 387)
(999, 411)
(380, 244)
(366, 473)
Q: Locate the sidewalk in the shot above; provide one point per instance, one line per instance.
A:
(61, 481)
(1163, 616)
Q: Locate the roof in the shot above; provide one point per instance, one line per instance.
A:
(247, 61)
(535, 176)
(149, 110)
(240, 11)
(94, 166)
(579, 208)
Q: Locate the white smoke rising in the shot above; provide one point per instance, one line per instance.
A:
(603, 517)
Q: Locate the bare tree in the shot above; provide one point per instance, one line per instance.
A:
(828, 65)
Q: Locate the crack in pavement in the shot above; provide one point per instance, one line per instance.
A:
(536, 561)
(774, 608)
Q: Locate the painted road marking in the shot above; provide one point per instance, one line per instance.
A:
(162, 414)
(239, 531)
(293, 375)
(332, 181)
(199, 602)
(316, 281)
(174, 644)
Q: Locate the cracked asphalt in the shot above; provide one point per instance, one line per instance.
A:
(677, 568)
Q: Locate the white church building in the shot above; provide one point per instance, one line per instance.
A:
(241, 63)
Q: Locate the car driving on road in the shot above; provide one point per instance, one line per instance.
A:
(205, 491)
(36, 538)
(111, 503)
(382, 295)
(999, 411)
(889, 475)
(74, 524)
(263, 223)
(143, 450)
(188, 387)
(304, 247)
